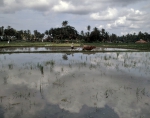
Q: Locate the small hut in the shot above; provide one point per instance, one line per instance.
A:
(141, 41)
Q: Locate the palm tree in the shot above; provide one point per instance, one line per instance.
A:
(103, 34)
(35, 34)
(146, 36)
(46, 32)
(113, 37)
(140, 35)
(88, 28)
(88, 33)
(20, 34)
(8, 27)
(10, 32)
(28, 34)
(64, 23)
(95, 35)
(2, 30)
(107, 36)
(25, 35)
(82, 33)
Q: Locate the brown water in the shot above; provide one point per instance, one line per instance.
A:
(75, 85)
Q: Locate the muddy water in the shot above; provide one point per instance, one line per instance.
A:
(76, 85)
(49, 49)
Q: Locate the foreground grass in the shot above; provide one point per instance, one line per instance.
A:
(145, 47)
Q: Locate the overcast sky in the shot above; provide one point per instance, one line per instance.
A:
(115, 16)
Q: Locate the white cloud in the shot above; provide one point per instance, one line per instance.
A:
(120, 22)
(124, 33)
(101, 26)
(11, 6)
(135, 15)
(62, 6)
(109, 14)
(73, 7)
(129, 18)
(134, 26)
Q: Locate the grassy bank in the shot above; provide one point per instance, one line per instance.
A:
(145, 47)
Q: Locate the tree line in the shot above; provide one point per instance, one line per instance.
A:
(69, 33)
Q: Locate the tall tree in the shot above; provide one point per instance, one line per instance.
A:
(107, 36)
(35, 34)
(103, 34)
(10, 32)
(82, 33)
(64, 23)
(88, 28)
(145, 35)
(28, 34)
(2, 31)
(140, 35)
(95, 35)
(47, 32)
(113, 37)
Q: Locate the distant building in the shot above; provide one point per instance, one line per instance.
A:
(141, 41)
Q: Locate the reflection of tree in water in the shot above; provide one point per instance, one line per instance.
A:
(5, 80)
(41, 68)
(104, 67)
(1, 112)
(35, 48)
(65, 57)
(10, 66)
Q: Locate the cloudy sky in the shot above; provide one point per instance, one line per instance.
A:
(115, 16)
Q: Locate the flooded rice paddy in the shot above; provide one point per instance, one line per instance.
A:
(75, 85)
(50, 49)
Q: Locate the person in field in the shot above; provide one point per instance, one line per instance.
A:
(72, 46)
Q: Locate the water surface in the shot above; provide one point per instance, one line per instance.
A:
(76, 85)
(50, 49)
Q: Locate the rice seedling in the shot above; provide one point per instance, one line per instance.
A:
(51, 62)
(1, 97)
(142, 116)
(14, 104)
(62, 69)
(92, 66)
(118, 54)
(105, 57)
(81, 57)
(108, 92)
(10, 66)
(5, 80)
(59, 83)
(64, 100)
(107, 64)
(70, 65)
(139, 93)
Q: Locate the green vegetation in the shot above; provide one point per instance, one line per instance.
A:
(63, 36)
(68, 33)
(145, 47)
(34, 44)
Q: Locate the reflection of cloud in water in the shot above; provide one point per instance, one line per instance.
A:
(85, 112)
(79, 84)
